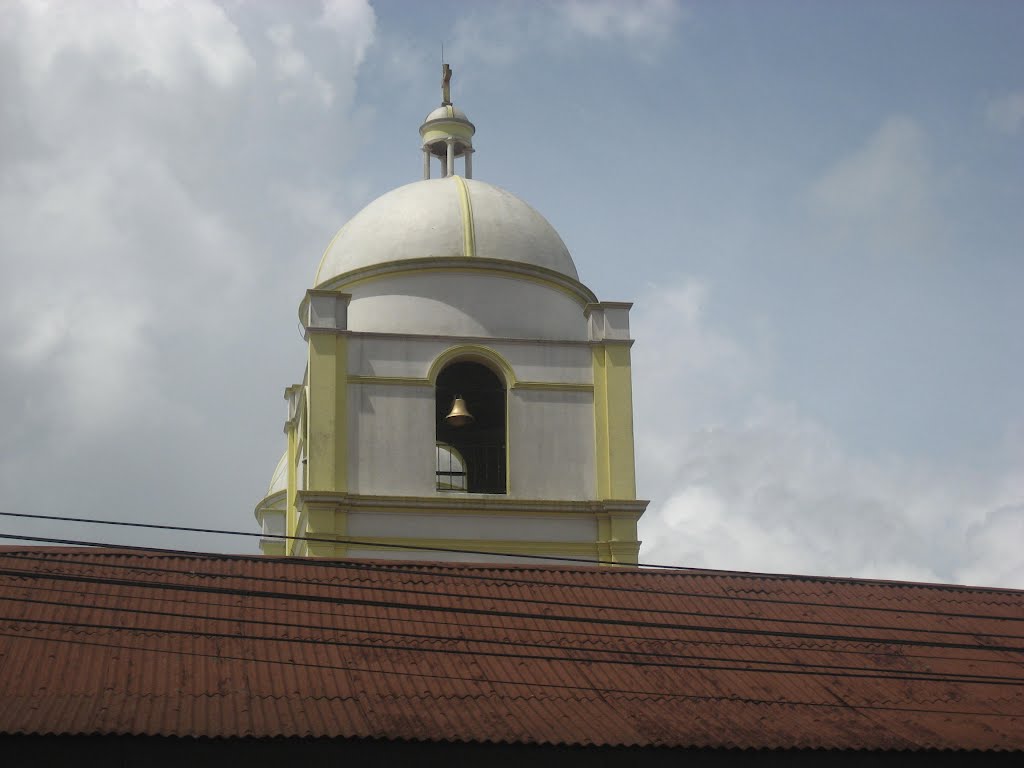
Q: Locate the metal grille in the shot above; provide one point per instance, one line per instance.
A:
(481, 470)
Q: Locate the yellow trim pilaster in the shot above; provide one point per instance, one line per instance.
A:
(613, 422)
(326, 521)
(616, 539)
(328, 403)
(292, 471)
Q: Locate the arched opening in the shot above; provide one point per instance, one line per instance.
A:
(479, 442)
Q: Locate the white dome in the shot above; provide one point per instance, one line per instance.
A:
(279, 480)
(445, 218)
(446, 112)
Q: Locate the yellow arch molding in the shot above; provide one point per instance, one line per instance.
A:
(476, 353)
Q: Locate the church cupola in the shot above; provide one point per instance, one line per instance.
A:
(447, 133)
(465, 396)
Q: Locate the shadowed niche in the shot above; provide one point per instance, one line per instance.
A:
(471, 457)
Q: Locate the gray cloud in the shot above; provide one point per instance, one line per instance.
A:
(741, 480)
(169, 180)
(163, 209)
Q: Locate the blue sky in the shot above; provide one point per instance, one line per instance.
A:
(814, 206)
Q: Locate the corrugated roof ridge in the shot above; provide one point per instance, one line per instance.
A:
(677, 573)
(455, 568)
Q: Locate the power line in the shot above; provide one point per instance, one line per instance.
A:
(649, 610)
(603, 621)
(553, 558)
(476, 654)
(429, 568)
(522, 683)
(463, 625)
(432, 570)
(773, 666)
(336, 540)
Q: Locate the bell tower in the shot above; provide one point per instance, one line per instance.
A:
(466, 397)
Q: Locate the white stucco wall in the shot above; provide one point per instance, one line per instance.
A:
(551, 444)
(391, 425)
(411, 357)
(391, 440)
(510, 528)
(465, 304)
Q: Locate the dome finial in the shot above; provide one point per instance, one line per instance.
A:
(447, 132)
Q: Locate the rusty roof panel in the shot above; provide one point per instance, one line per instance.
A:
(109, 642)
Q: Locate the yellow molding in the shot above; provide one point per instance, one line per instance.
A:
(468, 226)
(415, 381)
(326, 517)
(498, 546)
(548, 514)
(395, 381)
(471, 501)
(457, 263)
(557, 386)
(442, 128)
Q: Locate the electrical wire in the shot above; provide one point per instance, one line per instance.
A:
(336, 540)
(643, 657)
(554, 558)
(650, 610)
(476, 653)
(809, 669)
(591, 620)
(562, 632)
(432, 568)
(556, 653)
(600, 692)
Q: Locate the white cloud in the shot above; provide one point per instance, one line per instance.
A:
(993, 548)
(642, 22)
(146, 40)
(290, 65)
(881, 196)
(743, 481)
(1006, 113)
(353, 24)
(145, 250)
(501, 35)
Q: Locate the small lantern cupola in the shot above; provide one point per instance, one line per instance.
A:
(447, 133)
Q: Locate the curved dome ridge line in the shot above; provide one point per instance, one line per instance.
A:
(468, 225)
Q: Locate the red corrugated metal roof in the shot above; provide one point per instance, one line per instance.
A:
(109, 642)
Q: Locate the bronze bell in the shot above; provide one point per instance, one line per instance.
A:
(459, 415)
